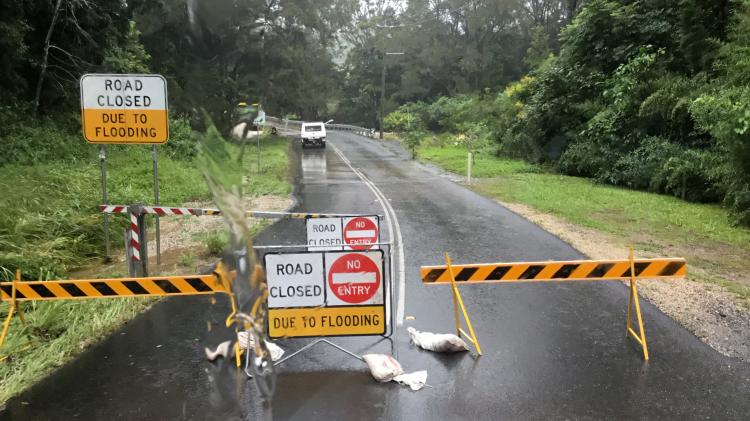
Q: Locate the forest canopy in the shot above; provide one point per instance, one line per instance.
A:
(649, 95)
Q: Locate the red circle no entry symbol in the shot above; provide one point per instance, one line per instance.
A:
(360, 233)
(354, 278)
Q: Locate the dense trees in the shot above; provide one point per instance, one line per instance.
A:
(645, 94)
(214, 54)
(451, 47)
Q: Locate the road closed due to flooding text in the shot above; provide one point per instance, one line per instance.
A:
(325, 294)
(326, 321)
(124, 108)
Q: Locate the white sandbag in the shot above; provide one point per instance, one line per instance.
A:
(276, 351)
(221, 351)
(383, 367)
(438, 342)
(415, 380)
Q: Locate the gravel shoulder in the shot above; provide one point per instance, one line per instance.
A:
(711, 312)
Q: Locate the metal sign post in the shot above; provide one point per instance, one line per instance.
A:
(126, 109)
(155, 156)
(103, 160)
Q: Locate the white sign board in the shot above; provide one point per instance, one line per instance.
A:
(324, 234)
(124, 108)
(295, 280)
(343, 233)
(339, 293)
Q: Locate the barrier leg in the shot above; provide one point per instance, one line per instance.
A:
(6, 325)
(13, 306)
(455, 311)
(471, 336)
(639, 336)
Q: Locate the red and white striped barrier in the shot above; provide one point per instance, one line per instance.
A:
(137, 251)
(160, 210)
(135, 240)
(166, 210)
(113, 209)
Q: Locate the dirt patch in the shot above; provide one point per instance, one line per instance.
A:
(711, 312)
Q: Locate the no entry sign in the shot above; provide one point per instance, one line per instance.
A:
(354, 278)
(124, 108)
(343, 233)
(326, 293)
(360, 232)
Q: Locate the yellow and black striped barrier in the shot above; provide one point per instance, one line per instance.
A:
(17, 291)
(575, 270)
(111, 288)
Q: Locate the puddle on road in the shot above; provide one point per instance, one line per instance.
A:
(314, 163)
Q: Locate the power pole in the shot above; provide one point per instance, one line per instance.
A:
(382, 92)
(382, 98)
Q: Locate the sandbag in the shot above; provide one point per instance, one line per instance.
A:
(383, 367)
(221, 351)
(437, 342)
(276, 351)
(415, 380)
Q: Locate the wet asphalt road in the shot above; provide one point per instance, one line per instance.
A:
(552, 350)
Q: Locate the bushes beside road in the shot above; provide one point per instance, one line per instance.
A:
(640, 96)
(50, 224)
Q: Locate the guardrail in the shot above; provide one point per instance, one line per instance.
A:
(287, 123)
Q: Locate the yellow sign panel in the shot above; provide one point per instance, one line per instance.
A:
(326, 321)
(121, 108)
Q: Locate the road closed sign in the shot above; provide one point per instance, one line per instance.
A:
(294, 280)
(124, 108)
(326, 294)
(343, 233)
(324, 234)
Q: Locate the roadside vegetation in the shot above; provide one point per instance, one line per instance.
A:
(602, 221)
(50, 225)
(660, 224)
(640, 95)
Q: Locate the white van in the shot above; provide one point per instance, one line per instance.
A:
(313, 134)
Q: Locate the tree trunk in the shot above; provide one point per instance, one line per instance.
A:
(47, 41)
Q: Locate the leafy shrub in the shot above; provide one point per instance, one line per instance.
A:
(29, 141)
(182, 144)
(216, 242)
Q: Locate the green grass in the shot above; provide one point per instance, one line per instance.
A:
(50, 224)
(702, 233)
(49, 220)
(455, 159)
(619, 211)
(274, 168)
(611, 209)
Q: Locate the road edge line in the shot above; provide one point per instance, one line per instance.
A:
(392, 220)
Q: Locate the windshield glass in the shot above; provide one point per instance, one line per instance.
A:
(314, 128)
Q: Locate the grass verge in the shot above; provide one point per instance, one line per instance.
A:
(656, 223)
(50, 225)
